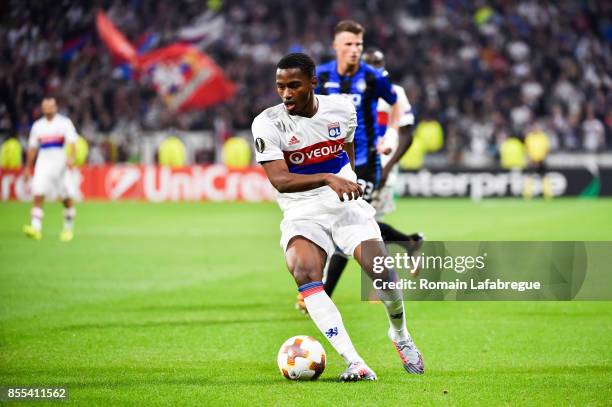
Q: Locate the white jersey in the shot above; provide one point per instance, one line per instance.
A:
(49, 136)
(51, 175)
(308, 145)
(406, 118)
(383, 198)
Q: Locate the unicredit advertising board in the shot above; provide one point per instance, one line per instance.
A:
(219, 183)
(155, 184)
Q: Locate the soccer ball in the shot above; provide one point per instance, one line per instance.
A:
(301, 358)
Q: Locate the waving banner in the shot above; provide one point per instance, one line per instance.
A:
(185, 78)
(115, 41)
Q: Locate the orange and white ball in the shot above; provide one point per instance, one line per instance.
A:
(301, 358)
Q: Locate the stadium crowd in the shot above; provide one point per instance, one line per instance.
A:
(486, 70)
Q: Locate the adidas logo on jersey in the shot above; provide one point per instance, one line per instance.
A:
(294, 140)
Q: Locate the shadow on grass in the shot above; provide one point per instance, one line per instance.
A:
(276, 380)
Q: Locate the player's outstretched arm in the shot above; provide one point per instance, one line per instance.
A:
(286, 182)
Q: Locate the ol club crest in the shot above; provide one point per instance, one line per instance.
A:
(333, 129)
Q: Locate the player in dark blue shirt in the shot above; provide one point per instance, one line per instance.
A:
(363, 85)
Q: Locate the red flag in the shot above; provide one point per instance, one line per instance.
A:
(114, 40)
(186, 78)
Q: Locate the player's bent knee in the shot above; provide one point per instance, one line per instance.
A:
(370, 248)
(305, 260)
(366, 253)
(306, 272)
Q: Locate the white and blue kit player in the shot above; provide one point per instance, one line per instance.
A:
(52, 146)
(388, 145)
(305, 146)
(393, 122)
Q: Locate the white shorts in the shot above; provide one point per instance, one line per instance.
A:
(331, 225)
(52, 179)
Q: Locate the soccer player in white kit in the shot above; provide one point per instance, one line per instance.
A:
(391, 146)
(52, 172)
(305, 146)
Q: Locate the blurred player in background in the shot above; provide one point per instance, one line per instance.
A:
(52, 173)
(392, 146)
(537, 147)
(363, 85)
(394, 143)
(305, 146)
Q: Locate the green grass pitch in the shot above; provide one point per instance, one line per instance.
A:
(188, 303)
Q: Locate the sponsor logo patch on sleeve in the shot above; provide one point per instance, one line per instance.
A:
(260, 146)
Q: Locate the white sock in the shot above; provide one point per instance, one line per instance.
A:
(37, 215)
(327, 318)
(69, 214)
(394, 305)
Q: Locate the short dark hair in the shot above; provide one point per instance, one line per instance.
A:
(350, 26)
(374, 56)
(298, 60)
